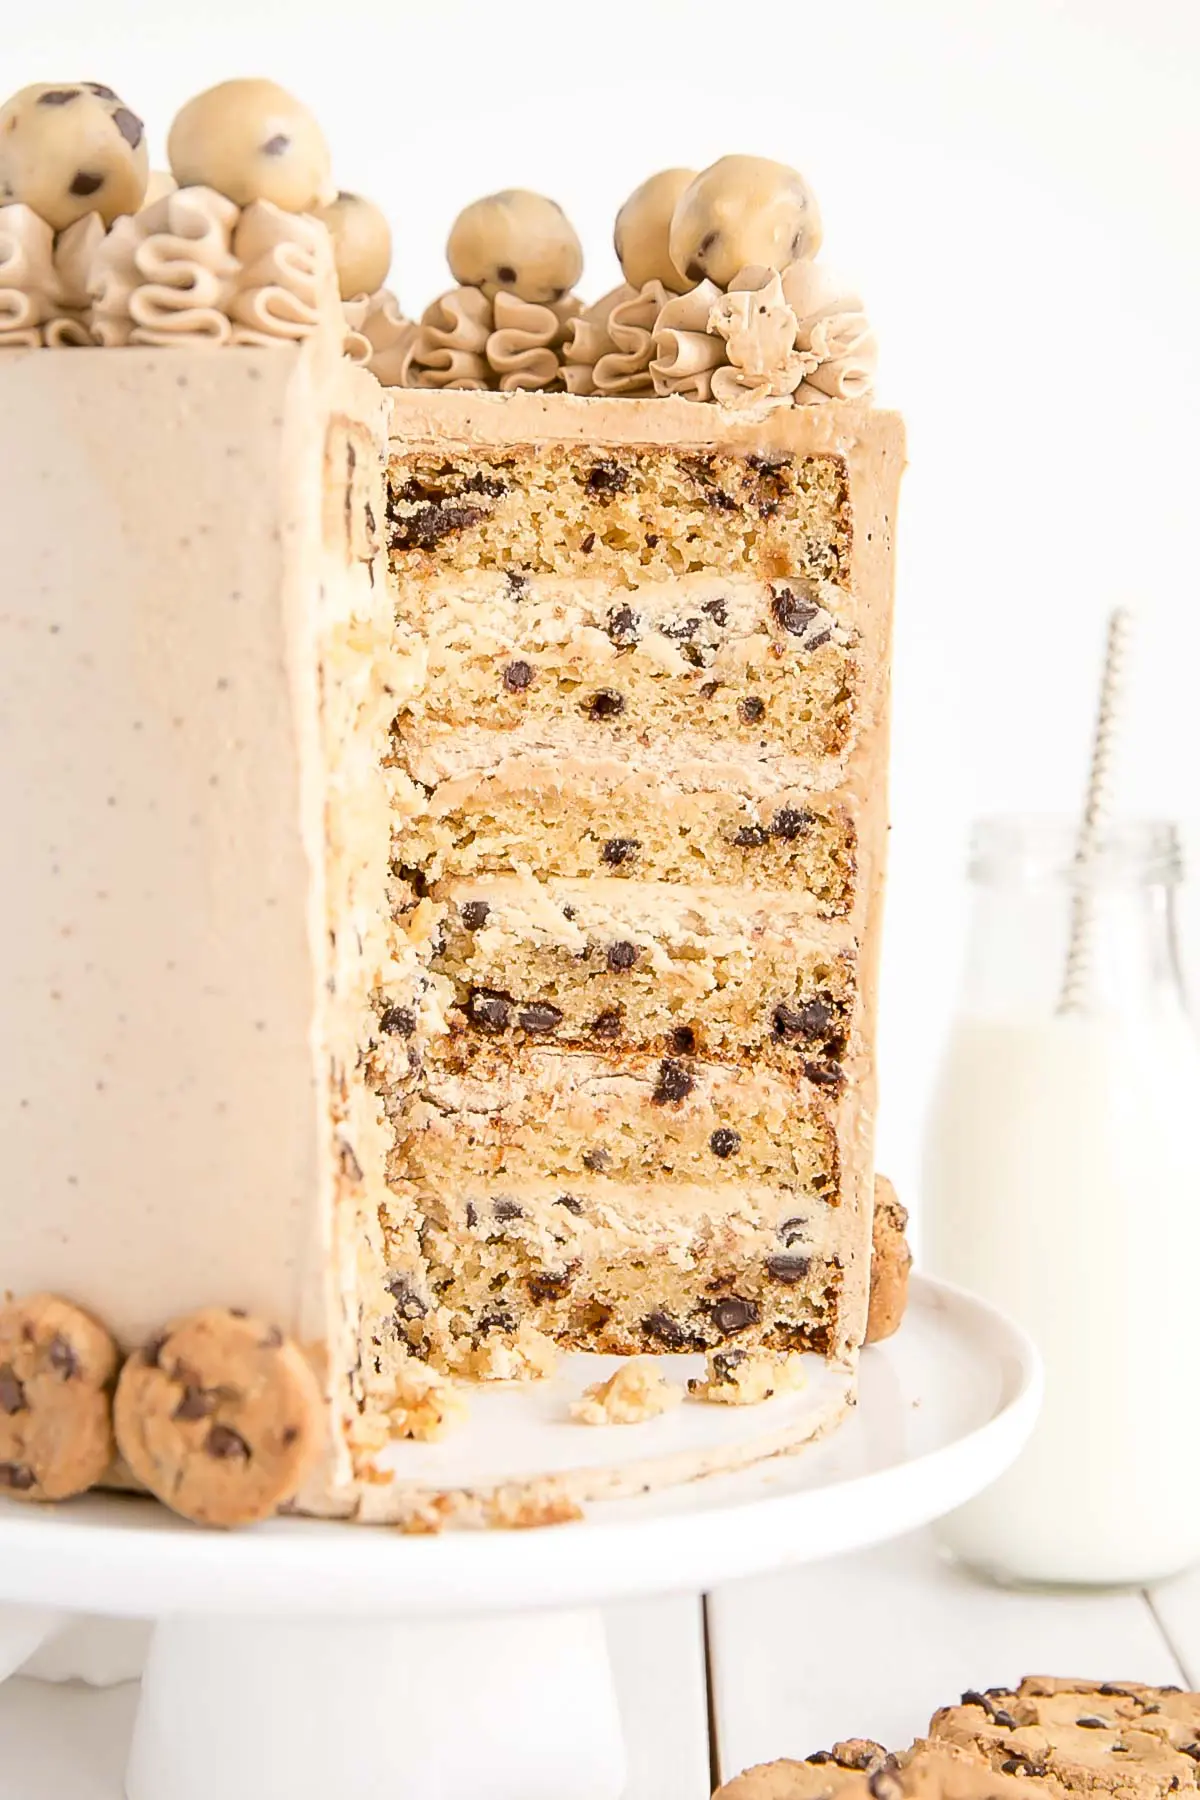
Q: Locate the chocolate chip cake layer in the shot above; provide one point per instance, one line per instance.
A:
(625, 512)
(672, 970)
(615, 1268)
(653, 906)
(763, 665)
(704, 824)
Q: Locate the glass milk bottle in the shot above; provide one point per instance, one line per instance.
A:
(1062, 1182)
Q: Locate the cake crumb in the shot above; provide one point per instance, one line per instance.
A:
(424, 1404)
(747, 1377)
(524, 1507)
(637, 1391)
(528, 1356)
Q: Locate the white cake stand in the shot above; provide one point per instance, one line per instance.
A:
(302, 1660)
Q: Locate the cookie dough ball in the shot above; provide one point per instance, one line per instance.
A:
(251, 140)
(643, 230)
(515, 241)
(891, 1261)
(743, 210)
(57, 1368)
(362, 244)
(69, 148)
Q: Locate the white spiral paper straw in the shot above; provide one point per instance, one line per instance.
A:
(1097, 809)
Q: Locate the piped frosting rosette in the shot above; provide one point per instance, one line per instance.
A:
(196, 268)
(685, 351)
(379, 336)
(759, 331)
(43, 279)
(832, 327)
(610, 345)
(466, 340)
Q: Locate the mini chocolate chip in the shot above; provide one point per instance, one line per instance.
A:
(17, 1477)
(409, 1304)
(624, 627)
(667, 1331)
(997, 1714)
(570, 1202)
(692, 653)
(276, 145)
(549, 1284)
(606, 703)
(62, 1357)
(679, 630)
(1022, 1765)
(724, 1363)
(709, 689)
(823, 1074)
(129, 126)
(607, 477)
(790, 823)
(725, 1143)
(516, 581)
(398, 1021)
(518, 676)
(474, 914)
(791, 1229)
(588, 544)
(622, 955)
(652, 540)
(751, 710)
(568, 912)
(505, 1210)
(85, 184)
(60, 96)
(597, 1160)
(607, 1024)
(506, 272)
(733, 1313)
(498, 1320)
(674, 1083)
(539, 1018)
(793, 614)
(716, 610)
(619, 850)
(196, 1403)
(226, 1444)
(788, 1269)
(489, 1009)
(101, 92)
(1090, 1722)
(750, 837)
(12, 1392)
(471, 1215)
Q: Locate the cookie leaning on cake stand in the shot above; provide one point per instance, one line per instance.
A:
(362, 1662)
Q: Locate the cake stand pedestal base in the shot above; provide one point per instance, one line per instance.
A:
(517, 1707)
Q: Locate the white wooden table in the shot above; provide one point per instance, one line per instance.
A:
(864, 1647)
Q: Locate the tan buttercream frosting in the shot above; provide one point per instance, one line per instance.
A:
(833, 327)
(379, 335)
(43, 295)
(467, 340)
(759, 329)
(196, 267)
(610, 346)
(685, 352)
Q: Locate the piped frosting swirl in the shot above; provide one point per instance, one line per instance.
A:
(466, 340)
(610, 345)
(43, 279)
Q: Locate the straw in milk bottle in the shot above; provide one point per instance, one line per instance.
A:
(1062, 1182)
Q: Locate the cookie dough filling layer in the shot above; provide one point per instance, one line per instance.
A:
(615, 1267)
(647, 965)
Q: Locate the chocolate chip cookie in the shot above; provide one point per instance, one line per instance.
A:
(220, 1416)
(891, 1260)
(862, 1770)
(57, 1366)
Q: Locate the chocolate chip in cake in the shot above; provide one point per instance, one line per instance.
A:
(751, 710)
(709, 689)
(62, 1357)
(597, 1160)
(791, 823)
(518, 676)
(568, 912)
(226, 1444)
(622, 955)
(568, 1200)
(86, 184)
(539, 1018)
(606, 703)
(474, 914)
(619, 850)
(725, 1143)
(824, 1074)
(733, 1313)
(607, 477)
(716, 611)
(499, 1320)
(517, 582)
(489, 1009)
(588, 544)
(398, 1021)
(793, 613)
(424, 528)
(788, 1269)
(680, 630)
(504, 1210)
(1089, 1722)
(674, 1083)
(670, 1333)
(409, 1304)
(1023, 1765)
(549, 1284)
(683, 1040)
(607, 1024)
(12, 1393)
(750, 837)
(692, 653)
(995, 1713)
(471, 1214)
(791, 1230)
(350, 1166)
(624, 627)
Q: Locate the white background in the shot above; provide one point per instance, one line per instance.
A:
(1014, 182)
